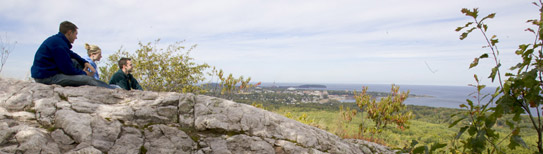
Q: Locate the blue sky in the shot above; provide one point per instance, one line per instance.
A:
(322, 41)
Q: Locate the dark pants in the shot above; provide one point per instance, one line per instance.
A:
(74, 80)
(77, 64)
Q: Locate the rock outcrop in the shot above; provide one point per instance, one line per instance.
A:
(38, 118)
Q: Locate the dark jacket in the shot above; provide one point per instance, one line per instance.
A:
(54, 57)
(125, 81)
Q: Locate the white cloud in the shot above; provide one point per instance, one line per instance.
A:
(285, 40)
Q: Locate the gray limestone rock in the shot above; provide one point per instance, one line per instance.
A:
(215, 145)
(33, 140)
(83, 105)
(76, 125)
(61, 138)
(38, 118)
(18, 101)
(104, 132)
(130, 142)
(45, 111)
(87, 150)
(248, 144)
(165, 139)
(282, 146)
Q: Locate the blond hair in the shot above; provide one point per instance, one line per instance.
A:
(91, 49)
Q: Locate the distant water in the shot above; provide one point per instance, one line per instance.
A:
(435, 96)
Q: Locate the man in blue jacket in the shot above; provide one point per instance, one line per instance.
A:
(53, 61)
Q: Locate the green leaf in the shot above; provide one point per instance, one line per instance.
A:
(528, 52)
(530, 30)
(414, 142)
(472, 130)
(474, 63)
(465, 10)
(480, 87)
(494, 73)
(515, 141)
(520, 141)
(456, 122)
(420, 149)
(493, 42)
(490, 16)
(480, 139)
(452, 115)
(516, 117)
(470, 13)
(489, 122)
(437, 146)
(470, 103)
(459, 28)
(467, 24)
(485, 55)
(462, 130)
(470, 30)
(510, 124)
(464, 35)
(533, 21)
(521, 49)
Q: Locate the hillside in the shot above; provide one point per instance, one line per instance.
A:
(37, 118)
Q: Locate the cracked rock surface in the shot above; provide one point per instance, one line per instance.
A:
(38, 118)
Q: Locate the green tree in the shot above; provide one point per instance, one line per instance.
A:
(345, 117)
(389, 110)
(518, 94)
(157, 69)
(228, 85)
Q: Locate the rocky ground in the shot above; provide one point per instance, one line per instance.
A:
(38, 118)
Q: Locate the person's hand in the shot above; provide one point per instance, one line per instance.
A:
(89, 66)
(92, 70)
(91, 74)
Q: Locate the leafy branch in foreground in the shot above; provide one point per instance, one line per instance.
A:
(519, 94)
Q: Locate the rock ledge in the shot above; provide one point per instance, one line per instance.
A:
(38, 118)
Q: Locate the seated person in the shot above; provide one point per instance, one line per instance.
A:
(123, 78)
(94, 54)
(53, 61)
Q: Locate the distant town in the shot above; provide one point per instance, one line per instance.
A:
(294, 94)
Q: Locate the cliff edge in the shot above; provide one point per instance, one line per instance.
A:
(38, 118)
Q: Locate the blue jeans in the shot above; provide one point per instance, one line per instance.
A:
(73, 80)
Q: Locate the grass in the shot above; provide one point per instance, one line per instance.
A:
(429, 126)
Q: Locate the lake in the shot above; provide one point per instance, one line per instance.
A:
(434, 96)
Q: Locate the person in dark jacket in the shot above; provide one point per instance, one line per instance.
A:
(123, 78)
(53, 61)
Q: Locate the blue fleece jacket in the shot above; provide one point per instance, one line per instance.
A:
(54, 57)
(93, 64)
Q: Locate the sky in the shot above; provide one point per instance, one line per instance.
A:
(285, 41)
